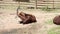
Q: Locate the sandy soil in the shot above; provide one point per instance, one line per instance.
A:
(9, 22)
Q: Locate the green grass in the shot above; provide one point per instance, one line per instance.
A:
(8, 7)
(12, 7)
(54, 31)
(46, 8)
(49, 21)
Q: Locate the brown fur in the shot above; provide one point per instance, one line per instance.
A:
(56, 20)
(26, 18)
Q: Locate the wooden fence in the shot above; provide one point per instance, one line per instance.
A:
(33, 4)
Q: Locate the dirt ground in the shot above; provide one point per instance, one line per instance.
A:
(9, 22)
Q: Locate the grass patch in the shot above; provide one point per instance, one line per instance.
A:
(49, 21)
(54, 30)
(47, 9)
(8, 7)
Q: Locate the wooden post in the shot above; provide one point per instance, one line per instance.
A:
(35, 4)
(53, 4)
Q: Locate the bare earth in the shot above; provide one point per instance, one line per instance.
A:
(9, 22)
